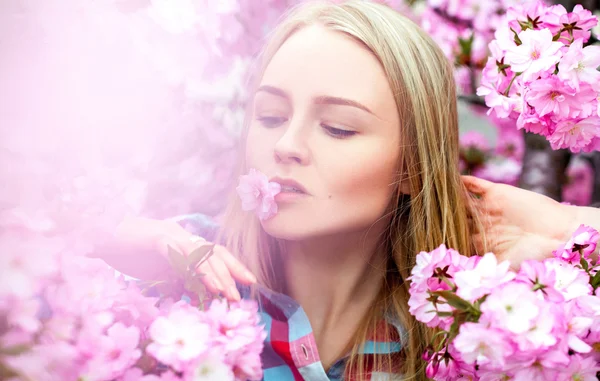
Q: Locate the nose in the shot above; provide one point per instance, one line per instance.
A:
(292, 147)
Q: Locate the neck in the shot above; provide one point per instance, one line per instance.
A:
(335, 279)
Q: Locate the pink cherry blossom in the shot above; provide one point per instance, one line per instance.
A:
(521, 12)
(535, 372)
(545, 331)
(483, 278)
(21, 273)
(425, 277)
(553, 96)
(580, 368)
(180, 337)
(536, 55)
(46, 362)
(240, 334)
(582, 20)
(133, 308)
(425, 310)
(557, 82)
(578, 327)
(513, 307)
(114, 353)
(584, 239)
(427, 262)
(571, 282)
(580, 64)
(541, 278)
(213, 369)
(22, 314)
(447, 366)
(494, 87)
(477, 343)
(575, 134)
(257, 193)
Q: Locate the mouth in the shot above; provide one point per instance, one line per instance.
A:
(289, 186)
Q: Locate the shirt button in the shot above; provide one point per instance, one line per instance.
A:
(305, 351)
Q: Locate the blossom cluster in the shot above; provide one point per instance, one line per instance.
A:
(540, 322)
(463, 29)
(66, 317)
(543, 74)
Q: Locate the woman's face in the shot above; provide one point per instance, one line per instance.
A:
(325, 126)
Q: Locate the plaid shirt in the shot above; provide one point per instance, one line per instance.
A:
(290, 351)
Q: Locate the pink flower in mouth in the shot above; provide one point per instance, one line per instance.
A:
(258, 194)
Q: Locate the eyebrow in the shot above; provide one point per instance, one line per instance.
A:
(320, 100)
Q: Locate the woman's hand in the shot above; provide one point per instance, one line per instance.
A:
(517, 224)
(140, 249)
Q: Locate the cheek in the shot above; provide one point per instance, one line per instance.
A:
(362, 183)
(259, 148)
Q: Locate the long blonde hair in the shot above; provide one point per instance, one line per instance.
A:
(436, 211)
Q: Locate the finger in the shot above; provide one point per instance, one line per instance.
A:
(236, 268)
(476, 185)
(222, 274)
(209, 279)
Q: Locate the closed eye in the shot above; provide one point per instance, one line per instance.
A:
(338, 133)
(271, 121)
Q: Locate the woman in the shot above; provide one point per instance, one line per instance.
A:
(354, 113)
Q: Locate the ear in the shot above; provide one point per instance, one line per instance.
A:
(404, 187)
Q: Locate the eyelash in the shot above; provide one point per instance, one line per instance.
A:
(337, 133)
(271, 121)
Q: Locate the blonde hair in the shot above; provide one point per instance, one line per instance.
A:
(421, 79)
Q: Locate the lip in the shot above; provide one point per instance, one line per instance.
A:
(290, 183)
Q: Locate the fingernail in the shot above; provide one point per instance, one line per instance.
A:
(234, 293)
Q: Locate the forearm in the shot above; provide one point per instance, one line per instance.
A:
(128, 248)
(138, 246)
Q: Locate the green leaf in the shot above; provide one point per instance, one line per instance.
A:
(584, 264)
(516, 37)
(466, 45)
(198, 256)
(455, 300)
(165, 289)
(178, 262)
(195, 285)
(595, 282)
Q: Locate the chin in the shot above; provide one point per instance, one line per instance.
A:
(302, 225)
(282, 227)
